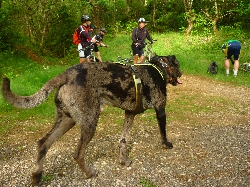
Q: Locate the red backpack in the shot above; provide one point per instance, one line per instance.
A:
(76, 37)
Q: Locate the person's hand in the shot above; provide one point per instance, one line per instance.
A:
(92, 26)
(94, 40)
(103, 45)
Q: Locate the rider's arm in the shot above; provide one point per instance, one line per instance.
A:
(83, 33)
(134, 37)
(98, 40)
(103, 45)
(93, 39)
(148, 36)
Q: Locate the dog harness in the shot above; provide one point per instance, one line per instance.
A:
(139, 108)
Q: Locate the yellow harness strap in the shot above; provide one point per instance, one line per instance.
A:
(139, 108)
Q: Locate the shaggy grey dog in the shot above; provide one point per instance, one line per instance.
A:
(84, 88)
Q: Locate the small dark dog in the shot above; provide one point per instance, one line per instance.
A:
(213, 68)
(83, 88)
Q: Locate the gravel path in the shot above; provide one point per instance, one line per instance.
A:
(210, 137)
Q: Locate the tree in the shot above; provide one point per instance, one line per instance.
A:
(9, 37)
(165, 15)
(189, 15)
(47, 25)
(40, 22)
(212, 12)
(237, 15)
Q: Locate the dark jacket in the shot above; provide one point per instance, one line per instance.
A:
(98, 37)
(139, 35)
(85, 34)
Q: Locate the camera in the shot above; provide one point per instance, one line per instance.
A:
(92, 26)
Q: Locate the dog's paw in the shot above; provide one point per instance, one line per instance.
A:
(91, 174)
(168, 145)
(126, 162)
(36, 178)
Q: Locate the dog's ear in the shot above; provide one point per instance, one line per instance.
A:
(215, 64)
(155, 58)
(175, 61)
(171, 59)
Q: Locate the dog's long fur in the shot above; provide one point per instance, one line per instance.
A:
(83, 88)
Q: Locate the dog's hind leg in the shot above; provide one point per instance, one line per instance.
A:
(88, 124)
(161, 118)
(128, 122)
(62, 125)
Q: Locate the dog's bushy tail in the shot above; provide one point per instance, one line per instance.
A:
(32, 100)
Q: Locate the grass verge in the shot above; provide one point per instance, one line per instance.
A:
(194, 53)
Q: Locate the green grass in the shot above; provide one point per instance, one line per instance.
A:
(48, 177)
(146, 183)
(194, 54)
(26, 77)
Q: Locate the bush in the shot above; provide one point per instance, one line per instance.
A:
(8, 36)
(59, 39)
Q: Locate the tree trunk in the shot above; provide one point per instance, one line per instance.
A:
(190, 15)
(154, 10)
(216, 17)
(190, 27)
(215, 26)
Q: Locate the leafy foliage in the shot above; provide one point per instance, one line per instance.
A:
(8, 35)
(202, 26)
(59, 39)
(47, 26)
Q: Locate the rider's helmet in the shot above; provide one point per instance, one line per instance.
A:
(223, 48)
(85, 18)
(103, 30)
(142, 20)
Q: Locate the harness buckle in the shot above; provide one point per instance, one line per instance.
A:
(134, 68)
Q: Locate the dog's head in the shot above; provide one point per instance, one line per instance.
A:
(170, 66)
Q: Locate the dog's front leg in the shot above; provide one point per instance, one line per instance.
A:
(161, 118)
(128, 121)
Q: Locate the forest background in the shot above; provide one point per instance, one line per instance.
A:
(208, 115)
(45, 27)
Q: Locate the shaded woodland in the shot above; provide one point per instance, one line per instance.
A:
(46, 26)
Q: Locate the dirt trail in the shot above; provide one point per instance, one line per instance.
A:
(206, 87)
(218, 103)
(208, 124)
